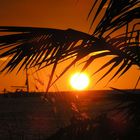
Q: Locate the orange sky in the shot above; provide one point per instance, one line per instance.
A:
(60, 14)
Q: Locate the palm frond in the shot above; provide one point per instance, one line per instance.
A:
(37, 45)
(123, 50)
(29, 47)
(117, 14)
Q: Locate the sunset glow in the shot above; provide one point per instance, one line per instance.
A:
(79, 81)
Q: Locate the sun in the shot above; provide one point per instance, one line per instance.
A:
(79, 81)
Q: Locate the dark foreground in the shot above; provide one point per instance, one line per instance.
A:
(97, 115)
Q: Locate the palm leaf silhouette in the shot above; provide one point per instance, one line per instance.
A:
(41, 47)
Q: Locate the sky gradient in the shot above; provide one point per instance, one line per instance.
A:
(62, 14)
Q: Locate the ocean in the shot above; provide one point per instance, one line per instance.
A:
(32, 117)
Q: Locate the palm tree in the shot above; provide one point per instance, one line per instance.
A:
(41, 47)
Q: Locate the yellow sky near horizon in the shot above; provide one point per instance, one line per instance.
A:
(60, 14)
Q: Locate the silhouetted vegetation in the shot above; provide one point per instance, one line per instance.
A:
(40, 47)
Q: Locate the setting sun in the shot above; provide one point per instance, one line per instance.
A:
(79, 81)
